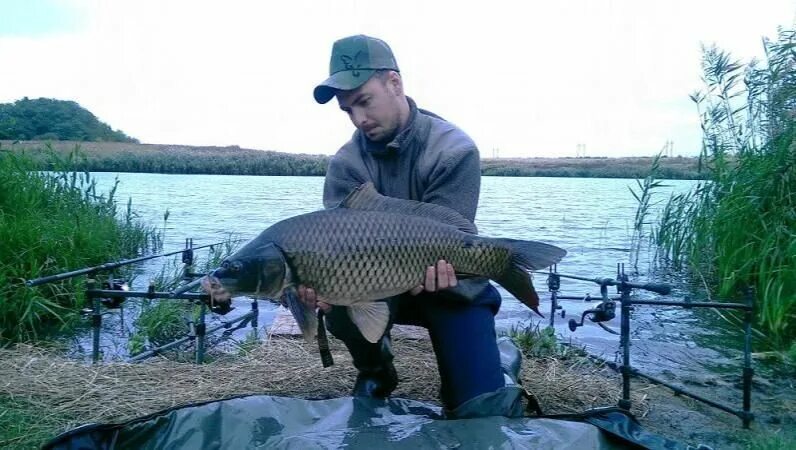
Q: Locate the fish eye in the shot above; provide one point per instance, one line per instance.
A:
(236, 266)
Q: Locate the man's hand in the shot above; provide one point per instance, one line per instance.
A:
(441, 276)
(310, 299)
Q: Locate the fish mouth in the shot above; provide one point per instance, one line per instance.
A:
(218, 288)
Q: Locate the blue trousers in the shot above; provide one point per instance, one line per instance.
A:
(462, 334)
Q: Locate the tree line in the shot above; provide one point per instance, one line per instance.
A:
(57, 120)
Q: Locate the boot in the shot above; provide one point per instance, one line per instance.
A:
(506, 401)
(377, 376)
(510, 360)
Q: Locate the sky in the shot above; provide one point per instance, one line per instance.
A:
(523, 79)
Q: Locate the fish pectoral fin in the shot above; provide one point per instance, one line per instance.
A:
(464, 275)
(371, 318)
(306, 319)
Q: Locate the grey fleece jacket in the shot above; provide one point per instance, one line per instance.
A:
(430, 160)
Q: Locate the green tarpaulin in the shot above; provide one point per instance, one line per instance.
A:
(255, 422)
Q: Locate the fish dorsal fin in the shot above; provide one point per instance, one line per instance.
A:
(366, 198)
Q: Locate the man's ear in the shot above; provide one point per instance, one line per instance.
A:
(395, 82)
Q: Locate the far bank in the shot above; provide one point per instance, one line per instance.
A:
(233, 160)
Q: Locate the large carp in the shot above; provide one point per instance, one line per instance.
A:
(368, 248)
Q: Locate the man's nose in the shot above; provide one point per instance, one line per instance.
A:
(358, 117)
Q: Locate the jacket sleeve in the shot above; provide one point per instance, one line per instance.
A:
(455, 181)
(341, 179)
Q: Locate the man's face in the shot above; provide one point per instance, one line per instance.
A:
(374, 107)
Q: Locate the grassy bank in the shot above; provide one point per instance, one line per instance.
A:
(673, 168)
(52, 223)
(46, 394)
(147, 158)
(67, 393)
(737, 229)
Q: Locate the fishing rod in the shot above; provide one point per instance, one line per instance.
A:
(186, 287)
(606, 310)
(659, 288)
(108, 266)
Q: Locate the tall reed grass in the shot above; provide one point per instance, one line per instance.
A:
(738, 228)
(644, 209)
(50, 223)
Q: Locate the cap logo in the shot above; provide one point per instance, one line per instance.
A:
(352, 64)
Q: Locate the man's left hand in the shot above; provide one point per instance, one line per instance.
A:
(441, 276)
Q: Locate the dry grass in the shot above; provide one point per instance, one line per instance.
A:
(72, 393)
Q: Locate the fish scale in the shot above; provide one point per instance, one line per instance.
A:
(364, 255)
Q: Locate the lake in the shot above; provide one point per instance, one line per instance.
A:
(591, 218)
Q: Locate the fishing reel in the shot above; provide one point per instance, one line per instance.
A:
(602, 312)
(220, 308)
(114, 284)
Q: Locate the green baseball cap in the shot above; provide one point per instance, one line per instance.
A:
(354, 60)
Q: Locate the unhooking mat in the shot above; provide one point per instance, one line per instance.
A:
(266, 422)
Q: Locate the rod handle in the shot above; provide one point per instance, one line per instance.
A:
(659, 288)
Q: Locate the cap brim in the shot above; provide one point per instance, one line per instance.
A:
(341, 81)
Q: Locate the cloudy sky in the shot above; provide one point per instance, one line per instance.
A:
(526, 78)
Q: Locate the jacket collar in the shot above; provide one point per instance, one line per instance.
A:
(410, 134)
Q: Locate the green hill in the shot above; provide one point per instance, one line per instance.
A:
(56, 120)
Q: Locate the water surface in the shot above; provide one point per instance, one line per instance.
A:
(591, 218)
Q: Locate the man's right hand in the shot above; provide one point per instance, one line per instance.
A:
(310, 299)
(439, 277)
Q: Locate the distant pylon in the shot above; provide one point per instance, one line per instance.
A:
(580, 151)
(668, 148)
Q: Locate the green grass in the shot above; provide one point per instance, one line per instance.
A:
(738, 228)
(51, 223)
(537, 342)
(164, 320)
(767, 440)
(26, 425)
(161, 321)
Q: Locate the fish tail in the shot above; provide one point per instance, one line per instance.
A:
(306, 319)
(527, 255)
(533, 255)
(518, 282)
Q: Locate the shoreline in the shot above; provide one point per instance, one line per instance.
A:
(234, 160)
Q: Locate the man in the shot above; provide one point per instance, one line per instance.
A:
(411, 153)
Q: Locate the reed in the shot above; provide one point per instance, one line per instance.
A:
(50, 223)
(644, 207)
(736, 229)
(149, 158)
